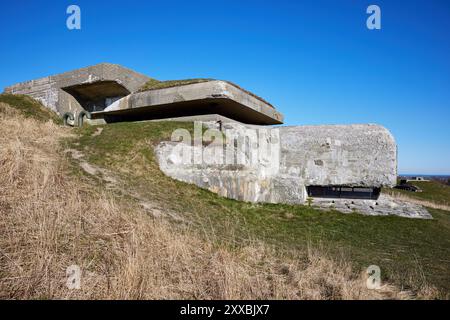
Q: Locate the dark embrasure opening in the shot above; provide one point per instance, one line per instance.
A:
(343, 192)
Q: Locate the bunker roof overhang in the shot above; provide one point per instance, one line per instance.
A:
(96, 90)
(211, 97)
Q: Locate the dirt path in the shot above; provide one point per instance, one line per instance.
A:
(114, 183)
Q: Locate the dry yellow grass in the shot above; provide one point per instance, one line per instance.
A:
(425, 203)
(51, 220)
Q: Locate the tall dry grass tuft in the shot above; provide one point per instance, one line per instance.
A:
(51, 219)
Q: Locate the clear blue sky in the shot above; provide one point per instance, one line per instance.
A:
(314, 60)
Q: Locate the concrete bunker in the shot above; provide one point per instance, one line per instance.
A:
(111, 93)
(341, 167)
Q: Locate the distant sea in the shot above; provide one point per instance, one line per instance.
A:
(436, 176)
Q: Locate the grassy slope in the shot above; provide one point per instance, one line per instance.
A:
(408, 251)
(52, 219)
(29, 107)
(431, 191)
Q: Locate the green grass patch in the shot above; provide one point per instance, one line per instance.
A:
(433, 191)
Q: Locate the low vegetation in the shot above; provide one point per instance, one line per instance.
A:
(28, 107)
(153, 84)
(138, 234)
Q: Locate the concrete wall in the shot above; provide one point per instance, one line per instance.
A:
(300, 156)
(44, 90)
(353, 155)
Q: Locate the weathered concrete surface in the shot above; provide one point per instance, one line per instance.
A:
(383, 206)
(350, 155)
(60, 94)
(212, 97)
(301, 156)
